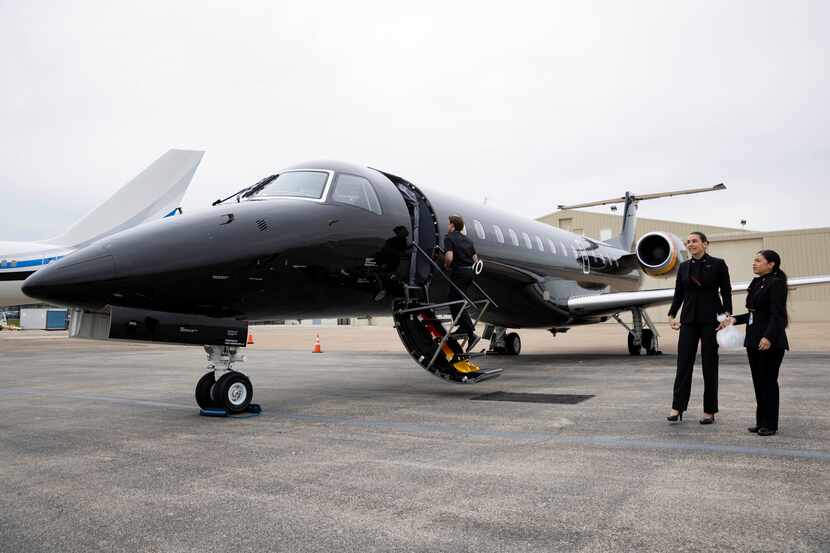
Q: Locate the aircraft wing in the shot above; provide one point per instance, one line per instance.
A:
(615, 302)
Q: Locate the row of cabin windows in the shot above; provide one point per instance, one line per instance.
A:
(514, 239)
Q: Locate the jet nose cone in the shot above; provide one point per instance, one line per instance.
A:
(78, 279)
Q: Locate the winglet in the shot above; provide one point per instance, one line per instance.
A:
(153, 194)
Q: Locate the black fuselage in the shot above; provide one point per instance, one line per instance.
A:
(263, 258)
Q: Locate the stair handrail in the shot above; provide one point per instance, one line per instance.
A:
(466, 301)
(445, 337)
(448, 279)
(476, 284)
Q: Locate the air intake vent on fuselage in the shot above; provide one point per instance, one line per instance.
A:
(262, 225)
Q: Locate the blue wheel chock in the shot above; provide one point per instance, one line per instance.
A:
(253, 410)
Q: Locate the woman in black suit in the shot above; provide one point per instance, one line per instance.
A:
(704, 290)
(766, 340)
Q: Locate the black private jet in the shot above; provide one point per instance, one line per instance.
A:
(331, 239)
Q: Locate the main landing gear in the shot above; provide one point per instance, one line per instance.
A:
(642, 335)
(501, 341)
(222, 388)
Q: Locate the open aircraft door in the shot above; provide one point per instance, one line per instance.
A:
(425, 233)
(418, 320)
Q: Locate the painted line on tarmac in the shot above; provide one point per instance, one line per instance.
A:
(549, 437)
(420, 428)
(29, 392)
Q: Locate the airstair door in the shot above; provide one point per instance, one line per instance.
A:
(424, 232)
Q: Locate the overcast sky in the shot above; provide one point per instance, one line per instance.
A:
(529, 104)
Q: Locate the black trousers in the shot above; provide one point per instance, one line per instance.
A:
(765, 366)
(462, 278)
(690, 335)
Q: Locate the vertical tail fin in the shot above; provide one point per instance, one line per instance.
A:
(154, 193)
(625, 239)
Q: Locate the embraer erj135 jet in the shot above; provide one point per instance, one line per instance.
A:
(330, 239)
(154, 193)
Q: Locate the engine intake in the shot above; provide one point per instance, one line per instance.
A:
(660, 253)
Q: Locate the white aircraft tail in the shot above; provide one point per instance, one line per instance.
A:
(155, 193)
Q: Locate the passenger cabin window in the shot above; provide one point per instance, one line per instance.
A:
(551, 246)
(499, 234)
(526, 238)
(513, 237)
(356, 191)
(539, 244)
(479, 229)
(293, 184)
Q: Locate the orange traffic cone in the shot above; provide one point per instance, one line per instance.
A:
(316, 348)
(250, 338)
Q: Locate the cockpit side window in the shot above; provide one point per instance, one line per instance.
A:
(356, 191)
(293, 184)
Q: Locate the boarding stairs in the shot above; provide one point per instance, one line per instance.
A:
(425, 328)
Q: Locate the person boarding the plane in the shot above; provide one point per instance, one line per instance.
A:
(766, 340)
(699, 280)
(459, 258)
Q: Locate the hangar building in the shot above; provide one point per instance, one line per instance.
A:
(803, 252)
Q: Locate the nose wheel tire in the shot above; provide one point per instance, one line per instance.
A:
(233, 392)
(203, 391)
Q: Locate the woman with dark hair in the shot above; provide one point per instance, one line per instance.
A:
(766, 340)
(704, 290)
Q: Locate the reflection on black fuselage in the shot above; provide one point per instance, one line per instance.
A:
(288, 258)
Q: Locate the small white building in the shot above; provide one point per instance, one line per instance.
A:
(42, 318)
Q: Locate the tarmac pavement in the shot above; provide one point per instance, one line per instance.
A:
(102, 449)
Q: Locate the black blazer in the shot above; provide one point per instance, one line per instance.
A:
(767, 300)
(702, 303)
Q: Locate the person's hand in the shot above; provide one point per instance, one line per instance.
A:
(728, 321)
(764, 344)
(675, 324)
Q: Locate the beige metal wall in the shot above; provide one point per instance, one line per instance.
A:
(803, 253)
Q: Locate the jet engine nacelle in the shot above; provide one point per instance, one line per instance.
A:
(660, 253)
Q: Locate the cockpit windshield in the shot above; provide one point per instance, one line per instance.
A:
(292, 184)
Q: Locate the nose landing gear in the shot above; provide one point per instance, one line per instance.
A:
(223, 391)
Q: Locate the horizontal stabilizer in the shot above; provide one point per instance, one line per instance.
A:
(153, 194)
(640, 197)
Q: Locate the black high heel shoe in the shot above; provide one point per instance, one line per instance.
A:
(675, 418)
(707, 420)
